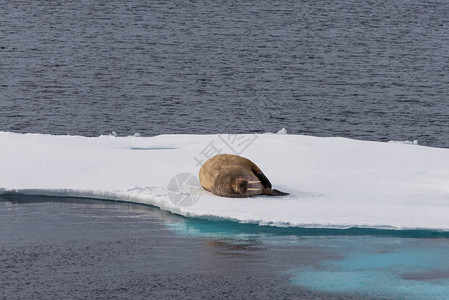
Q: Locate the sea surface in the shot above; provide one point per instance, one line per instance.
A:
(371, 70)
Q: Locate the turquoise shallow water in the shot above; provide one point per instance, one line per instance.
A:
(364, 262)
(407, 271)
(369, 263)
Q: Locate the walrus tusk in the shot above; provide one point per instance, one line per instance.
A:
(253, 189)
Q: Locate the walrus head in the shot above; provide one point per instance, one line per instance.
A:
(246, 187)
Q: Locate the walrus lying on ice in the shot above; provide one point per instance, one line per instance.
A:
(230, 175)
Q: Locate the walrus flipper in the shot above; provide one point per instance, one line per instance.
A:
(264, 180)
(274, 192)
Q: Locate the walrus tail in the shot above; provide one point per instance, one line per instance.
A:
(274, 192)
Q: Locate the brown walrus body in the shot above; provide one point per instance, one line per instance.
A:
(230, 175)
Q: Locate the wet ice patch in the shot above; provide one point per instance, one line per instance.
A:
(153, 148)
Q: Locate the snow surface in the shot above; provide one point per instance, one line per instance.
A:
(333, 182)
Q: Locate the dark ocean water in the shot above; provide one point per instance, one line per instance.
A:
(72, 248)
(59, 248)
(372, 70)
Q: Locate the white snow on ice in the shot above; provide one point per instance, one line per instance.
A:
(333, 182)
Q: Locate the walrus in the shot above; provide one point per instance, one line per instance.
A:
(234, 176)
